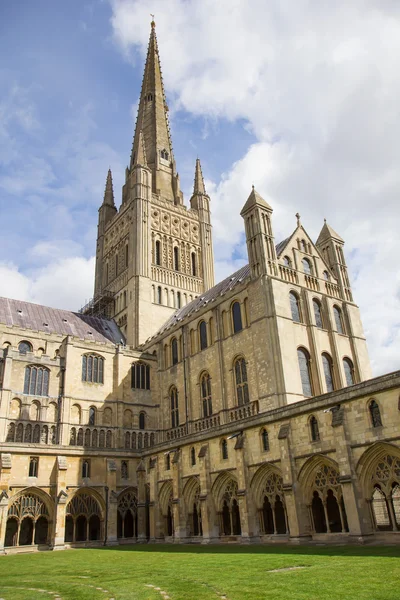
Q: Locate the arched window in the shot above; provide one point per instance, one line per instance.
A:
(174, 351)
(242, 388)
(348, 371)
(126, 255)
(318, 314)
(164, 154)
(92, 416)
(116, 264)
(236, 317)
(375, 414)
(264, 440)
(305, 371)
(192, 456)
(124, 470)
(24, 347)
(158, 252)
(194, 270)
(337, 313)
(140, 376)
(203, 335)
(173, 396)
(176, 258)
(287, 262)
(142, 420)
(33, 466)
(36, 381)
(224, 449)
(159, 295)
(168, 462)
(205, 390)
(314, 429)
(307, 266)
(85, 469)
(303, 245)
(326, 275)
(178, 300)
(92, 368)
(328, 372)
(295, 307)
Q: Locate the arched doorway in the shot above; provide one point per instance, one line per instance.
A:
(229, 509)
(83, 518)
(166, 508)
(27, 521)
(267, 486)
(191, 494)
(327, 508)
(127, 515)
(385, 493)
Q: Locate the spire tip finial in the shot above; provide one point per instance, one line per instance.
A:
(153, 23)
(297, 215)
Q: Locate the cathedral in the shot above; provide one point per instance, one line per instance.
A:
(173, 409)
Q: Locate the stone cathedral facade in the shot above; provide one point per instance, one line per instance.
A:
(173, 409)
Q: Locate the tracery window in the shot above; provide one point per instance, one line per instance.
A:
(273, 512)
(242, 388)
(83, 519)
(173, 396)
(305, 371)
(27, 522)
(203, 335)
(230, 511)
(92, 368)
(236, 317)
(327, 505)
(337, 313)
(127, 516)
(174, 351)
(375, 414)
(140, 376)
(328, 372)
(206, 398)
(318, 314)
(348, 371)
(386, 493)
(295, 307)
(36, 381)
(314, 429)
(24, 347)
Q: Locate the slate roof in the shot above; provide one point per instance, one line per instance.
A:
(203, 299)
(281, 246)
(54, 320)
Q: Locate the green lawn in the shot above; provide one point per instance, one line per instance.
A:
(202, 573)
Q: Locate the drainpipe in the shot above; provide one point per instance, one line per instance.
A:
(106, 519)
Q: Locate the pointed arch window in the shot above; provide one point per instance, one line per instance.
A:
(168, 462)
(194, 269)
(176, 258)
(92, 368)
(237, 317)
(375, 413)
(224, 449)
(203, 335)
(295, 307)
(86, 469)
(192, 456)
(318, 314)
(124, 470)
(140, 376)
(33, 466)
(174, 351)
(206, 398)
(242, 388)
(348, 371)
(178, 300)
(126, 255)
(142, 420)
(174, 407)
(36, 381)
(92, 416)
(305, 371)
(337, 313)
(158, 252)
(164, 154)
(328, 372)
(314, 429)
(116, 264)
(159, 295)
(265, 440)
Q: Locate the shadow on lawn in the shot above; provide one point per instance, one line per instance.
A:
(362, 551)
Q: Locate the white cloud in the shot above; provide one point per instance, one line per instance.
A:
(318, 86)
(63, 283)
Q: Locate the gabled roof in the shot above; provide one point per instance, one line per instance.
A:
(53, 320)
(254, 200)
(281, 246)
(212, 294)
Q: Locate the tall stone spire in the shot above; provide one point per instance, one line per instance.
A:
(109, 192)
(199, 187)
(152, 125)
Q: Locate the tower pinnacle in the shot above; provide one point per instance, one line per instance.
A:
(199, 187)
(109, 192)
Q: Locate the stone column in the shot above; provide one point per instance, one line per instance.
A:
(3, 518)
(141, 506)
(248, 522)
(58, 529)
(209, 517)
(112, 501)
(154, 511)
(178, 507)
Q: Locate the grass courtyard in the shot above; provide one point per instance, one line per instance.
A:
(159, 572)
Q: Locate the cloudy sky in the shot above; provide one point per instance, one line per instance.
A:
(299, 97)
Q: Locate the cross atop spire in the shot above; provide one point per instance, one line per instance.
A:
(152, 124)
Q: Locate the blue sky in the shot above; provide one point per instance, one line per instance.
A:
(301, 101)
